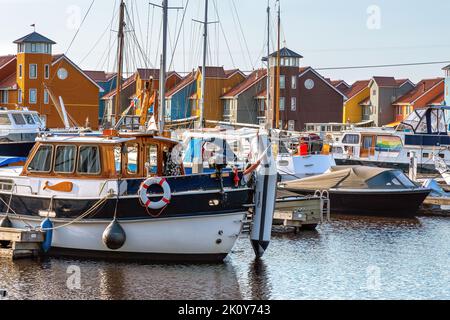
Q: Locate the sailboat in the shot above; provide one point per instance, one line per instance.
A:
(125, 194)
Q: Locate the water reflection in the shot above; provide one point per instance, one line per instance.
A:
(409, 258)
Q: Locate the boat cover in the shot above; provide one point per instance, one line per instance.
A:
(5, 161)
(343, 177)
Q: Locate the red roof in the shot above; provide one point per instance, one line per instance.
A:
(386, 81)
(337, 83)
(128, 82)
(439, 100)
(421, 88)
(187, 80)
(356, 88)
(249, 82)
(100, 76)
(9, 82)
(6, 59)
(262, 95)
(365, 102)
(146, 74)
(401, 82)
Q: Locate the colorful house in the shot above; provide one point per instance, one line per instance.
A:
(357, 93)
(127, 93)
(427, 92)
(383, 92)
(178, 103)
(107, 81)
(341, 85)
(218, 82)
(447, 85)
(241, 103)
(35, 78)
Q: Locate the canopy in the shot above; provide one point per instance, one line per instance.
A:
(344, 177)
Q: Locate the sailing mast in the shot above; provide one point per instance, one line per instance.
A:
(269, 118)
(277, 80)
(205, 45)
(121, 38)
(162, 72)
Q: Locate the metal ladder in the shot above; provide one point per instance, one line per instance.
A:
(325, 205)
(247, 224)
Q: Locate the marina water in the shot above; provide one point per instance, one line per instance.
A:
(349, 258)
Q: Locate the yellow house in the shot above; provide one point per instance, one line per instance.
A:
(218, 82)
(34, 78)
(356, 94)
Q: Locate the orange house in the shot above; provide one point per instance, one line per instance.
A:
(36, 77)
(218, 82)
(143, 76)
(427, 92)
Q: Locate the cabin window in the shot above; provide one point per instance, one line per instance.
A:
(65, 159)
(89, 160)
(351, 139)
(42, 160)
(18, 119)
(28, 118)
(152, 159)
(132, 158)
(4, 119)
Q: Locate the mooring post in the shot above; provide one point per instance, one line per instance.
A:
(412, 166)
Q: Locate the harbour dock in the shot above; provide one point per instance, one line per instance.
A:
(20, 243)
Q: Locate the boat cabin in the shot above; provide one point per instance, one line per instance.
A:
(19, 120)
(124, 156)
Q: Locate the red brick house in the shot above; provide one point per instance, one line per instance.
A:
(305, 95)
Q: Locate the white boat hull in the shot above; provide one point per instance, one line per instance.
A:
(159, 239)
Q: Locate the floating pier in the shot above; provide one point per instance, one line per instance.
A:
(20, 243)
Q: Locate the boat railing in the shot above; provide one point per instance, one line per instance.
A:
(325, 204)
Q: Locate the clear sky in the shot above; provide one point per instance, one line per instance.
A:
(327, 33)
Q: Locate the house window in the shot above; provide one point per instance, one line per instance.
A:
(293, 104)
(46, 96)
(262, 105)
(294, 82)
(33, 47)
(4, 96)
(282, 82)
(374, 92)
(20, 71)
(19, 96)
(281, 124)
(282, 104)
(33, 96)
(291, 125)
(46, 71)
(33, 71)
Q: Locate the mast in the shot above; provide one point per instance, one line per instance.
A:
(269, 118)
(205, 45)
(120, 44)
(277, 80)
(162, 72)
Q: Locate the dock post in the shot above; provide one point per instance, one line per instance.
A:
(412, 166)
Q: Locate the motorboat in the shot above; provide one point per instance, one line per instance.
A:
(423, 135)
(18, 131)
(359, 190)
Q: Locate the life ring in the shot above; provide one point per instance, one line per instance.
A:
(145, 199)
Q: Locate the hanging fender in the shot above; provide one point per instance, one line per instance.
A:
(145, 199)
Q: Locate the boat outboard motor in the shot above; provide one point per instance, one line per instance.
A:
(114, 236)
(265, 196)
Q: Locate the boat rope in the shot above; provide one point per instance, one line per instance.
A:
(8, 205)
(92, 209)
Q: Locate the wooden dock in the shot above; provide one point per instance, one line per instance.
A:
(20, 243)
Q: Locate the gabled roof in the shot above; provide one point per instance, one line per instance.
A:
(402, 82)
(187, 80)
(365, 102)
(356, 88)
(248, 83)
(422, 88)
(305, 70)
(9, 83)
(100, 76)
(261, 95)
(34, 37)
(446, 68)
(439, 100)
(385, 81)
(286, 53)
(219, 72)
(337, 83)
(147, 74)
(59, 57)
(128, 82)
(4, 60)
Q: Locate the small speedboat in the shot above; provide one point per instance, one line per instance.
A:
(363, 190)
